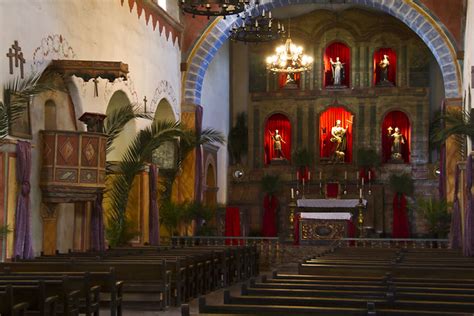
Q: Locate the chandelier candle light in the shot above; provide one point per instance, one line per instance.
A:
(289, 58)
(214, 7)
(258, 28)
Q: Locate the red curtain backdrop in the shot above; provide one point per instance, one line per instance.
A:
(232, 224)
(400, 120)
(392, 69)
(342, 51)
(400, 217)
(282, 124)
(332, 190)
(270, 205)
(326, 121)
(282, 79)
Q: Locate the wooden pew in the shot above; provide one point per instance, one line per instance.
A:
(8, 305)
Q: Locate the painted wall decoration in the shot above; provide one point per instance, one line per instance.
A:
(54, 46)
(164, 90)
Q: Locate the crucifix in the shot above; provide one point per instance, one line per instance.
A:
(15, 52)
(144, 103)
(96, 88)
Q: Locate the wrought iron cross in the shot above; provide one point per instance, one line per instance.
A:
(15, 53)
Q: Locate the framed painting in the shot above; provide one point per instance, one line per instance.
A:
(21, 126)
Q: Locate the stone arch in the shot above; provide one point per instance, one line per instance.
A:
(120, 144)
(410, 13)
(164, 111)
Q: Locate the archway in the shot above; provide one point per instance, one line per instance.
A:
(120, 144)
(409, 12)
(164, 111)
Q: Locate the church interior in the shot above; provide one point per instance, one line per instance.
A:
(224, 157)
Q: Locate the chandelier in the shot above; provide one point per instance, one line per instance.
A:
(259, 28)
(289, 58)
(214, 7)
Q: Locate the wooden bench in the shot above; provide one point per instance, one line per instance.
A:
(8, 306)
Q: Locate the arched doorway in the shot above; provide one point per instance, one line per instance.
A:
(120, 99)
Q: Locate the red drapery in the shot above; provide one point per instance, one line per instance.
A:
(400, 120)
(342, 51)
(281, 123)
(232, 224)
(392, 69)
(326, 121)
(270, 204)
(282, 79)
(400, 217)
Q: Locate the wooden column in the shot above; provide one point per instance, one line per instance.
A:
(452, 151)
(49, 215)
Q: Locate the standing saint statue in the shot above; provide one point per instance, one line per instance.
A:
(277, 140)
(338, 136)
(398, 141)
(337, 71)
(384, 64)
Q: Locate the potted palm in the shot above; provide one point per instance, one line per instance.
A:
(367, 160)
(271, 184)
(402, 185)
(302, 159)
(436, 213)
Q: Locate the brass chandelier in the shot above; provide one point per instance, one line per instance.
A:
(214, 7)
(289, 58)
(259, 28)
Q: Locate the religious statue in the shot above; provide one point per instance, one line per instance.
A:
(338, 136)
(398, 141)
(290, 82)
(277, 140)
(337, 71)
(384, 64)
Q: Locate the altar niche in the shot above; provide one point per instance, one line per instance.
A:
(277, 139)
(385, 67)
(337, 65)
(396, 147)
(327, 144)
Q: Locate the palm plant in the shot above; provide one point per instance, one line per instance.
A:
(170, 216)
(17, 93)
(436, 214)
(140, 150)
(457, 124)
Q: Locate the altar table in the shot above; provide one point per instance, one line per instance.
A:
(329, 203)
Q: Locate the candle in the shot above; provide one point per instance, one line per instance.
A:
(369, 175)
(303, 181)
(292, 193)
(363, 181)
(357, 176)
(345, 175)
(320, 175)
(309, 175)
(320, 185)
(360, 193)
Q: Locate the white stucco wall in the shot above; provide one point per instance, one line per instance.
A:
(469, 59)
(215, 101)
(101, 30)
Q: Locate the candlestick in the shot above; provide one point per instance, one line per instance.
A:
(292, 193)
(369, 175)
(357, 176)
(360, 193)
(363, 181)
(320, 175)
(303, 181)
(345, 175)
(309, 175)
(297, 175)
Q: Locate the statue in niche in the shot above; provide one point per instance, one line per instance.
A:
(290, 82)
(384, 66)
(277, 140)
(337, 71)
(338, 136)
(398, 141)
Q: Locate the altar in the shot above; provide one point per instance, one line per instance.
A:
(323, 220)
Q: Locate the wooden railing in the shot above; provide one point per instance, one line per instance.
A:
(393, 243)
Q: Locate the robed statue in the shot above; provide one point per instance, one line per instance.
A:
(338, 136)
(277, 140)
(337, 71)
(384, 65)
(397, 141)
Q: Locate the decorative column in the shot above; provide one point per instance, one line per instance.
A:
(452, 151)
(49, 215)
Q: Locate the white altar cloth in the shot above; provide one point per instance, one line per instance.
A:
(331, 215)
(329, 203)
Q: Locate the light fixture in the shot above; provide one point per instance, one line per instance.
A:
(289, 58)
(214, 7)
(258, 28)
